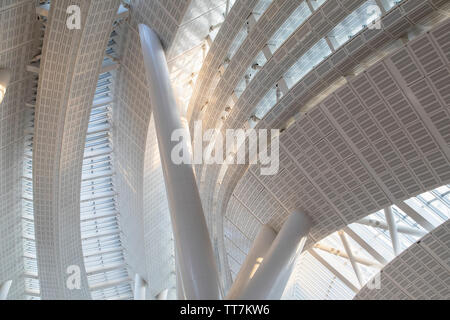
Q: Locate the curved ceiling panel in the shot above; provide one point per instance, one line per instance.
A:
(364, 120)
(70, 67)
(352, 154)
(208, 75)
(18, 38)
(234, 172)
(421, 272)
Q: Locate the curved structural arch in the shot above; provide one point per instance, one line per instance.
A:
(209, 76)
(352, 154)
(66, 90)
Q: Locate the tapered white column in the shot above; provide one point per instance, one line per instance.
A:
(180, 290)
(279, 288)
(260, 247)
(179, 287)
(265, 284)
(4, 289)
(5, 77)
(163, 295)
(139, 287)
(392, 225)
(196, 259)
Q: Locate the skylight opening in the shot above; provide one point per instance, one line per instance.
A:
(354, 23)
(341, 34)
(389, 4)
(258, 11)
(296, 19)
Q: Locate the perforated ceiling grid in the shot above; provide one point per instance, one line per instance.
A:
(270, 198)
(211, 172)
(282, 59)
(324, 75)
(259, 34)
(69, 71)
(395, 23)
(420, 272)
(208, 75)
(353, 155)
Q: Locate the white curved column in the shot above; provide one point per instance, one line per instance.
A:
(4, 289)
(265, 284)
(392, 225)
(163, 295)
(196, 260)
(260, 247)
(139, 287)
(180, 290)
(279, 288)
(5, 77)
(179, 287)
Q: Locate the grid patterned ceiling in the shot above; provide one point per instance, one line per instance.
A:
(70, 66)
(32, 284)
(335, 162)
(216, 56)
(352, 155)
(18, 44)
(420, 272)
(211, 172)
(234, 64)
(141, 200)
(217, 184)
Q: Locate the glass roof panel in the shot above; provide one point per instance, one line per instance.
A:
(266, 103)
(389, 4)
(307, 62)
(353, 23)
(298, 16)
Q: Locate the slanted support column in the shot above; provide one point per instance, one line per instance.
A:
(286, 275)
(139, 287)
(260, 247)
(180, 290)
(392, 225)
(195, 254)
(265, 283)
(4, 289)
(349, 252)
(179, 286)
